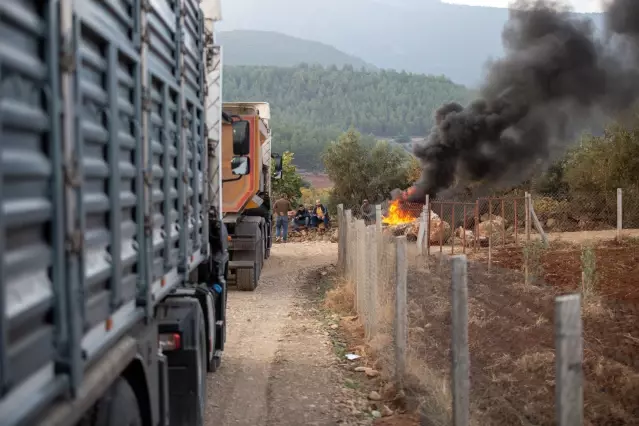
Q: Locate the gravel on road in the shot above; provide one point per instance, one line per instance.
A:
(279, 367)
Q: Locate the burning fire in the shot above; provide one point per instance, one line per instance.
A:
(396, 215)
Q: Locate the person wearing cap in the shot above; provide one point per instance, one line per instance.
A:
(368, 214)
(320, 215)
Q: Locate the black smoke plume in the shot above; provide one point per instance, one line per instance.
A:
(556, 77)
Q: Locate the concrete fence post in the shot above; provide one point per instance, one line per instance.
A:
(421, 232)
(373, 284)
(427, 228)
(459, 350)
(361, 266)
(568, 360)
(379, 239)
(348, 220)
(401, 312)
(341, 240)
(619, 213)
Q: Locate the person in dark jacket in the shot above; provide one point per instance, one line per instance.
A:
(319, 215)
(302, 218)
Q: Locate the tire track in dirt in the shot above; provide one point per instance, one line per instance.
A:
(278, 367)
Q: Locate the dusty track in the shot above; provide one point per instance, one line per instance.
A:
(278, 367)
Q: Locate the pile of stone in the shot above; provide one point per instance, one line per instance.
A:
(440, 230)
(313, 234)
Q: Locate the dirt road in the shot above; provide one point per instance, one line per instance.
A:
(279, 367)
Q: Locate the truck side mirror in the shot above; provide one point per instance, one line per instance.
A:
(277, 166)
(241, 137)
(240, 166)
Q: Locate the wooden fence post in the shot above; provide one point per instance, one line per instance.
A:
(460, 353)
(401, 314)
(619, 213)
(568, 360)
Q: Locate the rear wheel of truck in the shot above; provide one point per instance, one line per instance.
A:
(119, 407)
(188, 363)
(248, 278)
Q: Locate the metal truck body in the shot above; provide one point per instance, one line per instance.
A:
(112, 247)
(246, 136)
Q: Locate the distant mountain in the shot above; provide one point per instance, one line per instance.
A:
(246, 47)
(421, 36)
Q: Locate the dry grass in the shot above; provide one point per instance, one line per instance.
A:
(341, 298)
(511, 335)
(427, 388)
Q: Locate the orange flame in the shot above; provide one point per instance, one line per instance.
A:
(397, 216)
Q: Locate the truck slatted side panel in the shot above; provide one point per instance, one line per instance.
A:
(194, 154)
(31, 230)
(214, 126)
(194, 127)
(164, 138)
(164, 118)
(108, 143)
(176, 138)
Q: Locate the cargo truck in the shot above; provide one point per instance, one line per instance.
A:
(248, 165)
(112, 243)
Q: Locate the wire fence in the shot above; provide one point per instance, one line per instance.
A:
(456, 226)
(543, 334)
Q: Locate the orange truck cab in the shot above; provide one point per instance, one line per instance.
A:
(247, 168)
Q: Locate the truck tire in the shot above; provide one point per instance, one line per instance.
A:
(119, 407)
(246, 279)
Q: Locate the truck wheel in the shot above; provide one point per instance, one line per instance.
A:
(246, 279)
(119, 407)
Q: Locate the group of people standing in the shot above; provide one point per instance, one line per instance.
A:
(283, 210)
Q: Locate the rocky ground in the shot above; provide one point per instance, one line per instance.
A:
(282, 364)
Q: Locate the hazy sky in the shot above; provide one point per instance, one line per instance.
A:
(578, 5)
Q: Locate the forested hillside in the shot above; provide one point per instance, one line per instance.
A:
(312, 105)
(273, 48)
